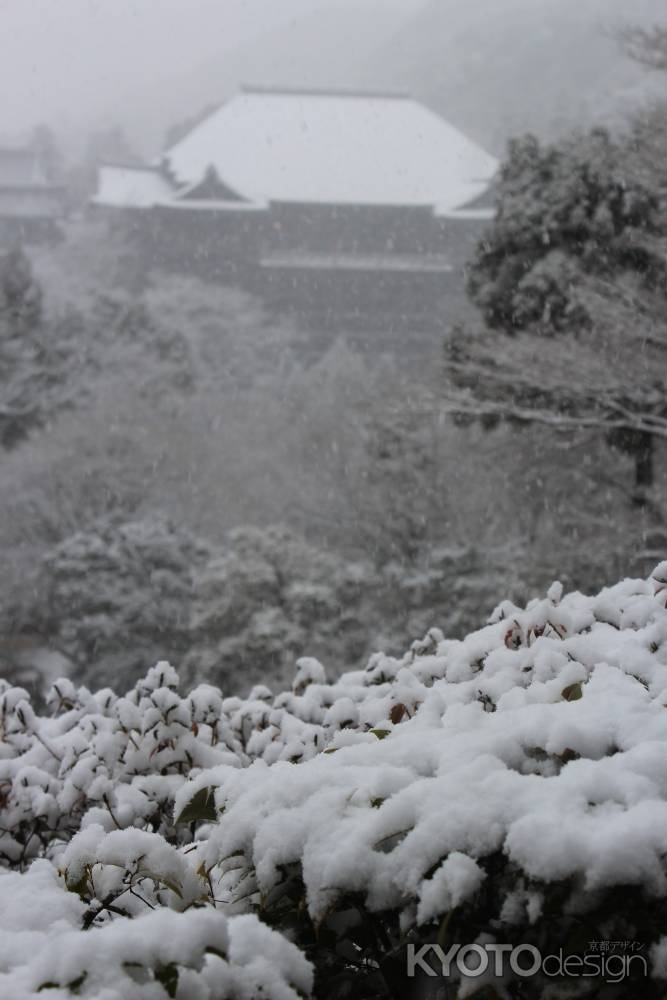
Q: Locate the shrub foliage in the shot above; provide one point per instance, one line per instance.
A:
(505, 787)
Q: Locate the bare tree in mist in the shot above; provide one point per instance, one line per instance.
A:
(646, 45)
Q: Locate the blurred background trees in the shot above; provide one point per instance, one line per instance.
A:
(156, 431)
(33, 360)
(137, 516)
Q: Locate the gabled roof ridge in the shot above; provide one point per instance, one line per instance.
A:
(211, 173)
(276, 90)
(153, 168)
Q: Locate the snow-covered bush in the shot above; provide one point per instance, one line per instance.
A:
(199, 955)
(507, 788)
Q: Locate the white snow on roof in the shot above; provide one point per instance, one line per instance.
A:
(211, 205)
(334, 149)
(130, 187)
(397, 263)
(466, 214)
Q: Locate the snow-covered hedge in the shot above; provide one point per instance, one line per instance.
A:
(508, 787)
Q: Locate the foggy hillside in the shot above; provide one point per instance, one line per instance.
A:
(325, 48)
(494, 69)
(502, 68)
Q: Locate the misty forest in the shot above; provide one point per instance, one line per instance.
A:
(332, 413)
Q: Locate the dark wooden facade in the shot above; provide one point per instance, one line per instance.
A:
(337, 266)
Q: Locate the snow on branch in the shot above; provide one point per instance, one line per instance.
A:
(572, 382)
(156, 844)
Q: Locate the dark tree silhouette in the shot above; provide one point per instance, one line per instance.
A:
(33, 360)
(647, 45)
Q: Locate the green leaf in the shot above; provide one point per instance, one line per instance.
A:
(167, 975)
(443, 928)
(80, 887)
(201, 807)
(74, 986)
(216, 951)
(381, 733)
(387, 844)
(77, 983)
(171, 884)
(573, 693)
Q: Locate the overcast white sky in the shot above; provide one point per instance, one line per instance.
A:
(64, 59)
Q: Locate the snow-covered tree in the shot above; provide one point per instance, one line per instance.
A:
(570, 281)
(126, 593)
(33, 364)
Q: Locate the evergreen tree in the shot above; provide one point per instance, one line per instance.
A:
(569, 280)
(22, 391)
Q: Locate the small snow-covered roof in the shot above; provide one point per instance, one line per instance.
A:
(179, 203)
(24, 202)
(131, 187)
(334, 148)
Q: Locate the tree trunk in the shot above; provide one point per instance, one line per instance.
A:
(644, 473)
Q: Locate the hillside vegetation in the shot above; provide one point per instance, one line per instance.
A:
(500, 69)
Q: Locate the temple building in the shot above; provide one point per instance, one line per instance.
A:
(31, 206)
(312, 195)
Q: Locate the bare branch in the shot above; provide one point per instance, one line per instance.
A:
(647, 46)
(465, 405)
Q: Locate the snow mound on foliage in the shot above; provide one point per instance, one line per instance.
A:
(539, 739)
(43, 950)
(540, 736)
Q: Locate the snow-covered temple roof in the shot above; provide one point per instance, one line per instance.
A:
(319, 147)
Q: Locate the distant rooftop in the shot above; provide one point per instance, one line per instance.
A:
(20, 167)
(129, 186)
(303, 146)
(333, 147)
